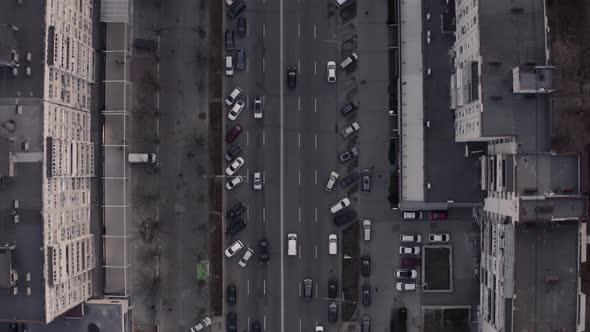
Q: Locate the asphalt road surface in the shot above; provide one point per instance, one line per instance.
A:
(295, 145)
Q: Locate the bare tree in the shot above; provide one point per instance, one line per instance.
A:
(149, 229)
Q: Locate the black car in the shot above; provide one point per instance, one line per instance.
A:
(307, 289)
(229, 40)
(232, 294)
(365, 266)
(345, 217)
(349, 179)
(346, 109)
(333, 312)
(366, 294)
(402, 317)
(231, 322)
(255, 326)
(366, 182)
(233, 133)
(233, 152)
(235, 227)
(235, 211)
(242, 26)
(332, 288)
(264, 255)
(366, 323)
(240, 59)
(236, 8)
(291, 77)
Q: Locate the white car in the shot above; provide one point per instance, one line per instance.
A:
(331, 181)
(244, 260)
(234, 166)
(332, 244)
(202, 324)
(405, 286)
(409, 250)
(234, 248)
(439, 237)
(354, 127)
(292, 244)
(417, 238)
(406, 274)
(236, 110)
(258, 107)
(233, 96)
(229, 65)
(234, 183)
(340, 205)
(257, 181)
(367, 230)
(331, 71)
(229, 2)
(319, 328)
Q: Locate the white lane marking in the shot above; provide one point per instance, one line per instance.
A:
(316, 214)
(282, 155)
(315, 105)
(314, 31)
(298, 30)
(263, 65)
(316, 176)
(299, 103)
(247, 175)
(316, 143)
(263, 30)
(264, 322)
(299, 252)
(247, 29)
(299, 177)
(263, 214)
(315, 68)
(248, 320)
(247, 212)
(247, 100)
(299, 289)
(299, 66)
(299, 140)
(316, 291)
(247, 66)
(300, 324)
(263, 177)
(248, 288)
(316, 251)
(247, 138)
(299, 212)
(264, 286)
(264, 137)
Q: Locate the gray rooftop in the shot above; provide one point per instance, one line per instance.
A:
(546, 173)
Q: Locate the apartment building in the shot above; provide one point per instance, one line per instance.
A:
(47, 251)
(532, 240)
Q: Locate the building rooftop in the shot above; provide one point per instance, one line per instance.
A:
(546, 174)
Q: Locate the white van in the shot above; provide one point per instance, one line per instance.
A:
(136, 158)
(229, 66)
(341, 3)
(367, 230)
(349, 60)
(411, 215)
(292, 244)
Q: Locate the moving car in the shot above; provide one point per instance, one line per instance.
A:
(333, 312)
(332, 288)
(234, 248)
(307, 289)
(366, 323)
(244, 260)
(236, 110)
(348, 108)
(233, 96)
(235, 227)
(411, 262)
(365, 266)
(234, 166)
(232, 294)
(340, 205)
(332, 244)
(233, 152)
(229, 67)
(347, 155)
(258, 107)
(242, 26)
(403, 250)
(229, 40)
(257, 180)
(366, 181)
(236, 8)
(352, 58)
(366, 294)
(202, 324)
(331, 67)
(405, 286)
(331, 181)
(349, 179)
(417, 238)
(231, 322)
(354, 127)
(367, 230)
(437, 215)
(411, 215)
(291, 77)
(439, 237)
(406, 274)
(233, 133)
(319, 328)
(345, 218)
(264, 254)
(240, 59)
(236, 181)
(235, 211)
(255, 326)
(292, 244)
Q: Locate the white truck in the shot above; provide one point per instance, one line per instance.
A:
(292, 244)
(136, 158)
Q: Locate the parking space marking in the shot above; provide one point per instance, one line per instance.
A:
(300, 289)
(247, 175)
(316, 290)
(315, 68)
(316, 214)
(299, 66)
(299, 212)
(248, 288)
(316, 145)
(299, 177)
(299, 252)
(263, 30)
(316, 176)
(248, 212)
(263, 136)
(264, 286)
(315, 105)
(315, 32)
(263, 65)
(299, 103)
(247, 138)
(298, 30)
(263, 177)
(263, 214)
(316, 251)
(299, 140)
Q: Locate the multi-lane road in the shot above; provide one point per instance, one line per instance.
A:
(295, 145)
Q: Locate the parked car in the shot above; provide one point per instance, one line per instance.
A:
(255, 326)
(235, 166)
(332, 288)
(233, 152)
(344, 218)
(439, 237)
(366, 294)
(353, 128)
(236, 181)
(332, 179)
(350, 107)
(233, 133)
(406, 274)
(236, 8)
(319, 328)
(291, 77)
(233, 96)
(365, 266)
(292, 244)
(231, 322)
(236, 110)
(229, 40)
(332, 244)
(349, 179)
(232, 294)
(307, 289)
(264, 254)
(234, 248)
(417, 238)
(258, 107)
(437, 215)
(348, 155)
(367, 230)
(340, 205)
(366, 323)
(240, 59)
(235, 211)
(205, 322)
(229, 66)
(411, 262)
(246, 257)
(333, 312)
(352, 58)
(411, 215)
(235, 227)
(331, 68)
(366, 181)
(242, 26)
(405, 286)
(403, 250)
(257, 181)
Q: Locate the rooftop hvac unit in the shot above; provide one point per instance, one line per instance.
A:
(28, 276)
(28, 291)
(14, 291)
(29, 56)
(15, 217)
(19, 109)
(25, 146)
(15, 204)
(14, 277)
(14, 71)
(28, 71)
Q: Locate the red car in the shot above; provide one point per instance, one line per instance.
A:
(411, 262)
(233, 133)
(437, 215)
